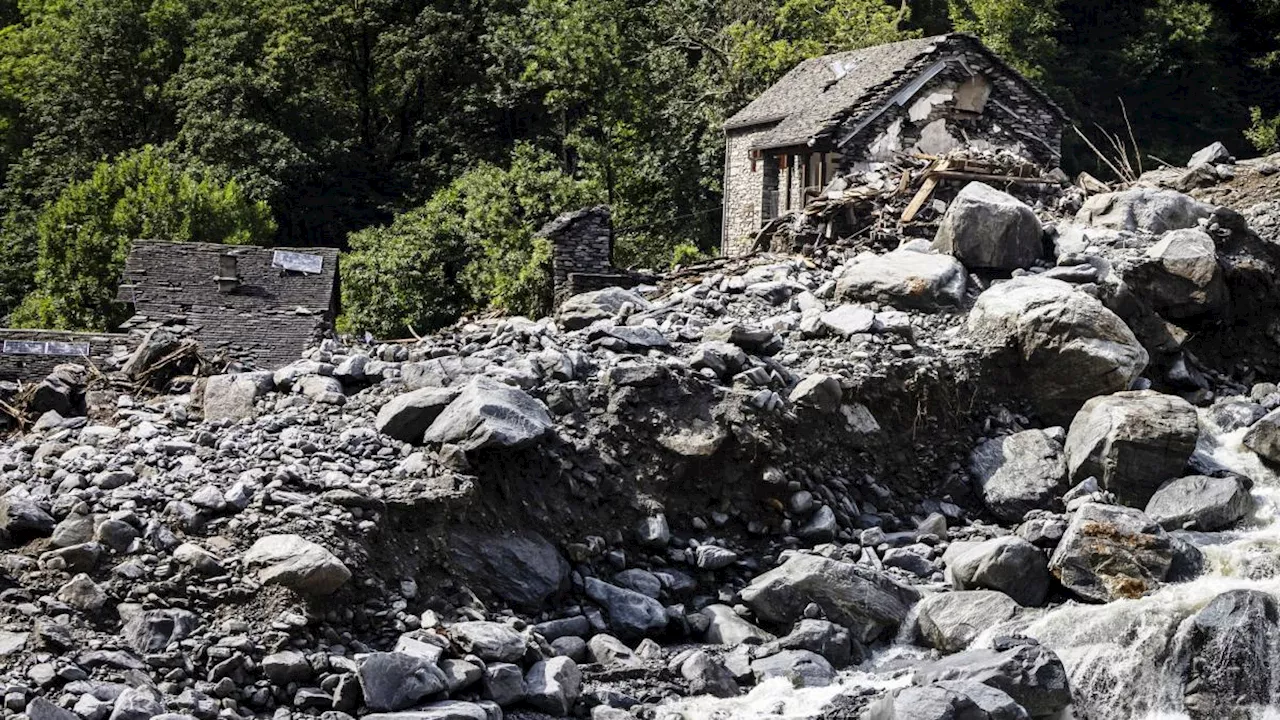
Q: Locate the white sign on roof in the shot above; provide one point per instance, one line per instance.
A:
(45, 347)
(297, 262)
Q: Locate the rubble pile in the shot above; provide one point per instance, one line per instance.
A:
(755, 474)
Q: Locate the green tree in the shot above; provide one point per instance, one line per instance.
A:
(470, 247)
(761, 52)
(85, 234)
(1021, 31)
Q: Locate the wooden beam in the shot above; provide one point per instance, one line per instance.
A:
(958, 175)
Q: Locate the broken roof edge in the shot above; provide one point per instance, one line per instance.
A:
(899, 81)
(903, 81)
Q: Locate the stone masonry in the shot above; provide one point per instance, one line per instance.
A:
(582, 252)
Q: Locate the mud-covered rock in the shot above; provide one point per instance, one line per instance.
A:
(1111, 552)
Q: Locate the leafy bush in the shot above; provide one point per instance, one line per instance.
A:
(686, 254)
(1264, 133)
(84, 236)
(471, 247)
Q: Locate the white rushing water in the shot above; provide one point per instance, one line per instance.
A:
(1122, 658)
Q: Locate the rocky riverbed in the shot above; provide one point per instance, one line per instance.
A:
(1025, 471)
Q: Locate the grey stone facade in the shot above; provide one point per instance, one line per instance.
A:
(582, 252)
(30, 355)
(851, 110)
(253, 309)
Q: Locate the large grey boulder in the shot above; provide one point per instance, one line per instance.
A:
(406, 417)
(1021, 472)
(1007, 564)
(1026, 671)
(1210, 155)
(860, 598)
(987, 228)
(1143, 209)
(904, 279)
(489, 641)
(1181, 277)
(553, 686)
(445, 710)
(22, 517)
(825, 638)
(1200, 502)
(1132, 442)
(708, 675)
(581, 310)
(1264, 437)
(1111, 552)
(523, 568)
(1063, 345)
(395, 681)
(950, 621)
(229, 397)
(151, 631)
(298, 564)
(1231, 652)
(630, 613)
(488, 414)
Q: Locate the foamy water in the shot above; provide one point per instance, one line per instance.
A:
(1122, 658)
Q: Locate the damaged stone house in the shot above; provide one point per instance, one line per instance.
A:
(261, 307)
(256, 305)
(851, 111)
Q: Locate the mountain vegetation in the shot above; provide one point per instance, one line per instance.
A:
(430, 138)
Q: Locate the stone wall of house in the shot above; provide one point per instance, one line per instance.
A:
(30, 355)
(743, 190)
(582, 252)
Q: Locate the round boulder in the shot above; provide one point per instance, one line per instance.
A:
(987, 228)
(1199, 502)
(1008, 564)
(1061, 345)
(1021, 472)
(1132, 442)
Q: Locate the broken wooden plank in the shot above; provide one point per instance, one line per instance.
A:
(926, 191)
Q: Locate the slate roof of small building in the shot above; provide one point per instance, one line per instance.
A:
(819, 91)
(268, 320)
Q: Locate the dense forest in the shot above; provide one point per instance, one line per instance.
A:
(431, 138)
